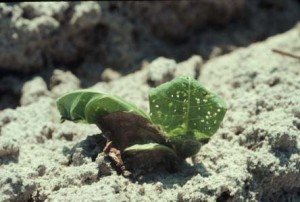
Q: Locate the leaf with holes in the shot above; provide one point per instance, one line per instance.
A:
(186, 110)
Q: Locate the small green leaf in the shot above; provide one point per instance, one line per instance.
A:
(150, 155)
(185, 109)
(88, 106)
(150, 152)
(148, 147)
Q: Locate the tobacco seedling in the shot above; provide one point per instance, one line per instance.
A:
(183, 115)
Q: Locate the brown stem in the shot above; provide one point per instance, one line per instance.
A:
(115, 154)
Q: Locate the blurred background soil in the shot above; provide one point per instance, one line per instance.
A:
(99, 40)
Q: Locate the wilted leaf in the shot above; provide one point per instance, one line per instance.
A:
(125, 129)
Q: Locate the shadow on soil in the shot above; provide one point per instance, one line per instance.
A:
(94, 144)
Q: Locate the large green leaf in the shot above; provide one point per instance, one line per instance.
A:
(88, 106)
(184, 108)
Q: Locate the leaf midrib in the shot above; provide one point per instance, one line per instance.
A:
(188, 106)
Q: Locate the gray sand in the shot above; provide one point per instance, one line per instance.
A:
(254, 156)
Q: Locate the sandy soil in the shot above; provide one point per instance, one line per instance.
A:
(254, 156)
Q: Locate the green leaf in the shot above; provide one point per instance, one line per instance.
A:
(150, 155)
(148, 148)
(88, 106)
(185, 109)
(150, 152)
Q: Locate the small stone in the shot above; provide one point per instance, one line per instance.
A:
(110, 75)
(141, 190)
(104, 166)
(33, 90)
(63, 82)
(8, 147)
(296, 111)
(161, 70)
(41, 169)
(159, 187)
